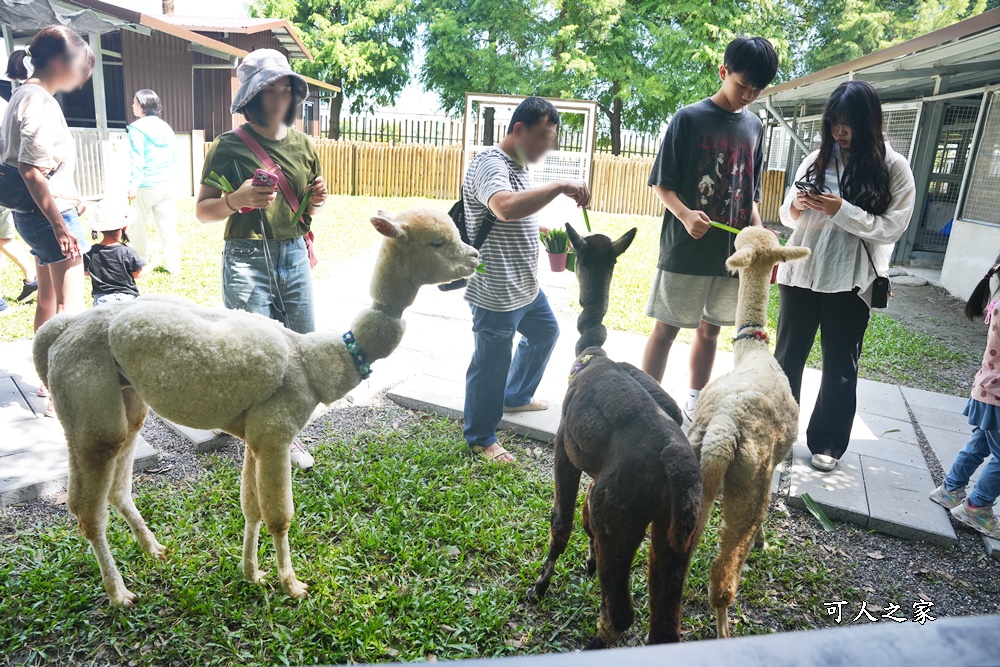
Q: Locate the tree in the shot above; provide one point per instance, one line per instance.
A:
(363, 46)
(642, 60)
(847, 29)
(486, 46)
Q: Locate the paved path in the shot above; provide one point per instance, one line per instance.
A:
(881, 485)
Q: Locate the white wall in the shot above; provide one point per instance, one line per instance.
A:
(972, 250)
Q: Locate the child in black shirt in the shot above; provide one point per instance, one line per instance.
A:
(112, 266)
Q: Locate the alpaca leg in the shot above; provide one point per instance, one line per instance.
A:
(121, 486)
(567, 480)
(744, 506)
(667, 573)
(274, 494)
(618, 532)
(587, 528)
(90, 479)
(251, 515)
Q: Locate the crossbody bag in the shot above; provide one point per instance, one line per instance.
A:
(287, 191)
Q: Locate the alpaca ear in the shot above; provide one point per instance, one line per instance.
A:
(740, 259)
(792, 253)
(622, 244)
(383, 224)
(577, 241)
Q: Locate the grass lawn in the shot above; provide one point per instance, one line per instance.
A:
(412, 549)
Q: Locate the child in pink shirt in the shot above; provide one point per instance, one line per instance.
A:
(983, 411)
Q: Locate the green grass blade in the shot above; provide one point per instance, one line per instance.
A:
(239, 172)
(586, 219)
(727, 228)
(818, 512)
(481, 268)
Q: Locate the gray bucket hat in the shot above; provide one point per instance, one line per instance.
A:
(260, 68)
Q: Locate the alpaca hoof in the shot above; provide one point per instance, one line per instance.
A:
(256, 576)
(536, 591)
(296, 589)
(595, 644)
(126, 599)
(157, 550)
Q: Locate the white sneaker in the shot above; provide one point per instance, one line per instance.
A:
(301, 458)
(823, 462)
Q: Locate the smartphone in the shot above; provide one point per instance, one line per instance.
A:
(264, 178)
(806, 186)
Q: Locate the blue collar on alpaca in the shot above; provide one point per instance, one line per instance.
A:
(358, 355)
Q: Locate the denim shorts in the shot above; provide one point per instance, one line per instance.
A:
(114, 297)
(37, 232)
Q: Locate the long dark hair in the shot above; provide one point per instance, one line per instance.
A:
(975, 307)
(55, 41)
(865, 180)
(149, 102)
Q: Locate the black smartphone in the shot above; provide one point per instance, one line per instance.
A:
(806, 186)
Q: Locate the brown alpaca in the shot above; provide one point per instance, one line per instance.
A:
(623, 430)
(215, 368)
(745, 421)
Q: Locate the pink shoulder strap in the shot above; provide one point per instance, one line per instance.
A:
(265, 159)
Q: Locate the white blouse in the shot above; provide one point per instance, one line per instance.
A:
(838, 262)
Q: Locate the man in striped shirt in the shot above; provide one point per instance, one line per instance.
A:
(506, 299)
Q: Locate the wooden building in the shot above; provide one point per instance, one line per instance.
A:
(190, 63)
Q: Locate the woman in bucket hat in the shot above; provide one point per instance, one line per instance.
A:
(266, 266)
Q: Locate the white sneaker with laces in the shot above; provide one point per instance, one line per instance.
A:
(301, 458)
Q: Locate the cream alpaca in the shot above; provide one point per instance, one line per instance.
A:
(216, 368)
(745, 421)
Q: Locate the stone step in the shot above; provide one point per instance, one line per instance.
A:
(34, 460)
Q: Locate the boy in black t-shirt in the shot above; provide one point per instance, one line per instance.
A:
(708, 170)
(112, 266)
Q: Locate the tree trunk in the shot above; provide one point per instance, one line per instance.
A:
(616, 119)
(488, 125)
(336, 104)
(168, 7)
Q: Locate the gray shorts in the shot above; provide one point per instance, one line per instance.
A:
(684, 300)
(6, 224)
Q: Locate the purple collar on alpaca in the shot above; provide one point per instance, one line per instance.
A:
(578, 366)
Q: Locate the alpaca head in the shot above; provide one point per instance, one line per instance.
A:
(422, 247)
(758, 250)
(595, 263)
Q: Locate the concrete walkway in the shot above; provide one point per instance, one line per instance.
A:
(881, 484)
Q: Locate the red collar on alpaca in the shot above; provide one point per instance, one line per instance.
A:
(759, 334)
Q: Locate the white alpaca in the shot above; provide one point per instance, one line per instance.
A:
(215, 368)
(745, 421)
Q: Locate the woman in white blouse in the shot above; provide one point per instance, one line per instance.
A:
(865, 203)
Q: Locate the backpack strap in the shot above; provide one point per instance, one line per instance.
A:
(283, 184)
(486, 226)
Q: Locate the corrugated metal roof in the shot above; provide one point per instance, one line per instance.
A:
(280, 28)
(966, 53)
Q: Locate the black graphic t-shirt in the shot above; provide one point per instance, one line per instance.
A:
(713, 160)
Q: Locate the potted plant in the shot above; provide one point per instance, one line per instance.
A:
(556, 242)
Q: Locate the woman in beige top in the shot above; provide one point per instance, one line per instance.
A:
(38, 142)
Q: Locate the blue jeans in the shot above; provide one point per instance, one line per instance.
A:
(248, 284)
(493, 381)
(980, 445)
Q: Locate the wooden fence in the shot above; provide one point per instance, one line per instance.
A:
(422, 170)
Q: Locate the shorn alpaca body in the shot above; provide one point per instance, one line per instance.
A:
(623, 430)
(215, 368)
(745, 422)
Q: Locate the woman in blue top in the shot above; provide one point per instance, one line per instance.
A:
(151, 181)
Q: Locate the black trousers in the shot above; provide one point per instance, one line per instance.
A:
(841, 318)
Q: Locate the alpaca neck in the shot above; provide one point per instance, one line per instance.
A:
(590, 324)
(379, 329)
(751, 309)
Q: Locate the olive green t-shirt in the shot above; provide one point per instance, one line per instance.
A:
(295, 154)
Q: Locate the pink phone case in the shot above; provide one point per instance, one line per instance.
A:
(263, 177)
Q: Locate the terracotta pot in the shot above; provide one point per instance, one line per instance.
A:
(557, 261)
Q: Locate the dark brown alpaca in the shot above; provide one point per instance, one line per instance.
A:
(623, 430)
